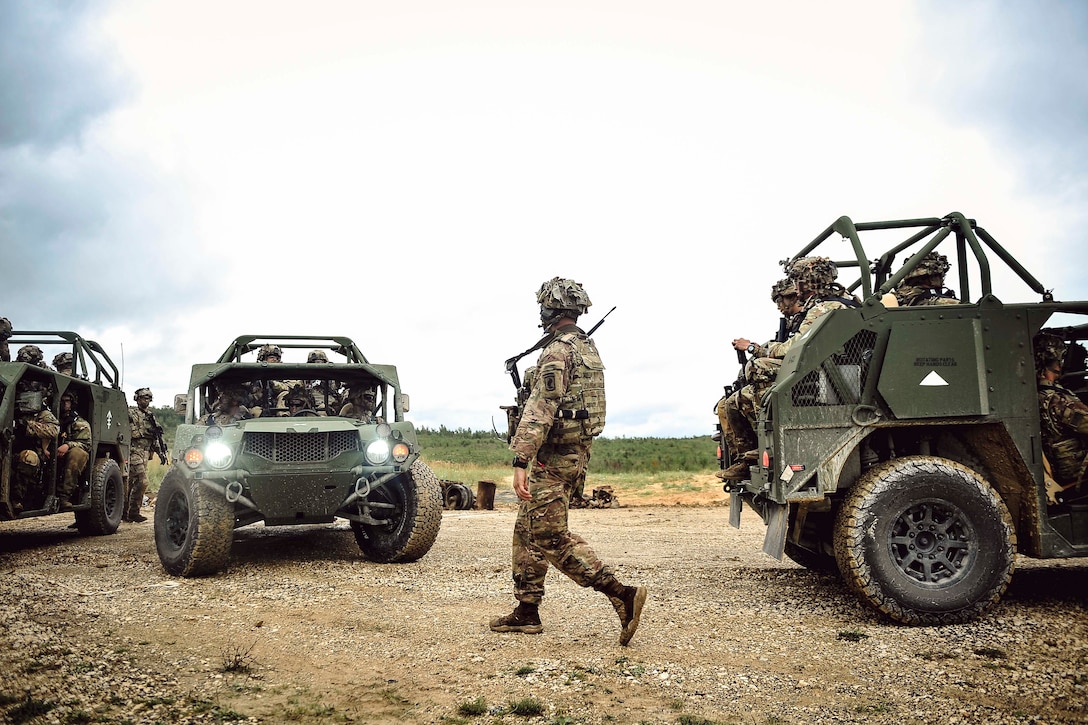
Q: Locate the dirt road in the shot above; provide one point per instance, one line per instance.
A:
(302, 629)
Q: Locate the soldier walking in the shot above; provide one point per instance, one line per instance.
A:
(145, 442)
(564, 413)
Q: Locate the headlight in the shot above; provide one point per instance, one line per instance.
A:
(218, 455)
(400, 452)
(377, 452)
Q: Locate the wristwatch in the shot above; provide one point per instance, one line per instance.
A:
(752, 348)
(518, 463)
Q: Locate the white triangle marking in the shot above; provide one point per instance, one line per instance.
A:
(933, 379)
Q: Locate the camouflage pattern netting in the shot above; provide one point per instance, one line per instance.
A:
(932, 263)
(783, 288)
(563, 294)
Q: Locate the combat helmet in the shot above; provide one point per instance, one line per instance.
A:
(142, 393)
(1049, 349)
(559, 297)
(62, 360)
(267, 351)
(5, 328)
(317, 356)
(930, 264)
(783, 288)
(817, 274)
(30, 354)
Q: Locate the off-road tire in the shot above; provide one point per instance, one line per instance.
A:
(194, 526)
(107, 500)
(922, 504)
(413, 522)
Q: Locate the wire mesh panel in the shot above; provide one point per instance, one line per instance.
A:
(841, 377)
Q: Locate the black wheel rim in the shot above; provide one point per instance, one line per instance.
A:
(177, 520)
(111, 498)
(933, 543)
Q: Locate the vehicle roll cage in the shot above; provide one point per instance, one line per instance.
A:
(876, 278)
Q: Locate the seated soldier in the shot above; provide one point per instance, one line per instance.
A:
(819, 293)
(36, 430)
(228, 407)
(262, 396)
(360, 405)
(736, 436)
(298, 399)
(74, 450)
(62, 363)
(924, 285)
(1063, 417)
(324, 390)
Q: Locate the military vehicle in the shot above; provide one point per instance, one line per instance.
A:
(901, 446)
(292, 465)
(25, 390)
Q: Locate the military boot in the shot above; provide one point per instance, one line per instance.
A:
(525, 619)
(628, 603)
(739, 471)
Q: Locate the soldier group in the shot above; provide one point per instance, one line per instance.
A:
(267, 398)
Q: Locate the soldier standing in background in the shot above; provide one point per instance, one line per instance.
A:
(1063, 417)
(5, 335)
(564, 413)
(74, 450)
(145, 441)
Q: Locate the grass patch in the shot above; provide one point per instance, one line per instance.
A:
(851, 636)
(526, 707)
(694, 720)
(473, 708)
(524, 670)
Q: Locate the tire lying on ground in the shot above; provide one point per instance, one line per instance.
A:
(410, 528)
(458, 497)
(194, 527)
(926, 541)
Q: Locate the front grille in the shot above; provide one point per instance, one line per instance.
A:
(300, 447)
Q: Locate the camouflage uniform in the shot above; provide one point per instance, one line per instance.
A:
(925, 284)
(144, 443)
(564, 413)
(815, 277)
(75, 432)
(5, 335)
(1063, 417)
(35, 434)
(229, 408)
(360, 406)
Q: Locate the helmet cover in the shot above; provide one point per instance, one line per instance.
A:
(563, 294)
(932, 263)
(1049, 348)
(268, 351)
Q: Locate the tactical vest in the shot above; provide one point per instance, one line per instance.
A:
(581, 413)
(1067, 453)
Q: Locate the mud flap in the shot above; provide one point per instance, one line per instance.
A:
(735, 505)
(777, 518)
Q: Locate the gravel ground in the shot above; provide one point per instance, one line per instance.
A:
(302, 629)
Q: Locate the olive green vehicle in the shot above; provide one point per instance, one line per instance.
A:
(309, 467)
(901, 446)
(26, 389)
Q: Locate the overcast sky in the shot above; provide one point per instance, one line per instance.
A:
(175, 174)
